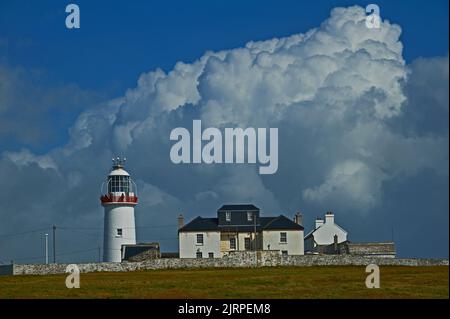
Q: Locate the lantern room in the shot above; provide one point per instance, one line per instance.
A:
(119, 185)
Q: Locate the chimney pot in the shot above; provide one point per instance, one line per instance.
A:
(180, 221)
(298, 219)
(319, 222)
(329, 217)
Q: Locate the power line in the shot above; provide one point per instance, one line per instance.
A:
(24, 233)
(101, 228)
(61, 254)
(77, 228)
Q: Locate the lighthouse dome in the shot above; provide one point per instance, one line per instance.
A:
(117, 171)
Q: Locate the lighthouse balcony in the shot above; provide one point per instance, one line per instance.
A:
(113, 198)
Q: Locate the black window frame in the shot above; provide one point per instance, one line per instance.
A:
(285, 237)
(247, 243)
(197, 239)
(233, 239)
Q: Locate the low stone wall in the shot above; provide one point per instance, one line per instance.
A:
(368, 249)
(232, 260)
(378, 249)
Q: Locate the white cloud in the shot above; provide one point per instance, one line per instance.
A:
(25, 157)
(350, 183)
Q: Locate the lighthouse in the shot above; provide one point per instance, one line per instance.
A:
(118, 203)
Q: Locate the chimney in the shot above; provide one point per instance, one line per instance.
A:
(180, 221)
(319, 222)
(298, 219)
(329, 218)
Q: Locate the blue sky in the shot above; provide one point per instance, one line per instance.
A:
(118, 39)
(57, 86)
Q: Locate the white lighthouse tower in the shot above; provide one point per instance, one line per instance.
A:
(118, 202)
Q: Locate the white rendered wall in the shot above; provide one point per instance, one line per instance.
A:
(241, 243)
(189, 247)
(294, 244)
(118, 216)
(324, 235)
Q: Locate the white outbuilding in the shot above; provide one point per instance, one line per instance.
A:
(326, 232)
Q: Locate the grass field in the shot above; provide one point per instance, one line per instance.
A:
(286, 282)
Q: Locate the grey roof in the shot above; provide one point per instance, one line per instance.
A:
(239, 207)
(281, 222)
(201, 224)
(265, 223)
(310, 233)
(134, 250)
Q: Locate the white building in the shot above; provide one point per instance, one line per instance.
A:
(118, 203)
(239, 228)
(324, 234)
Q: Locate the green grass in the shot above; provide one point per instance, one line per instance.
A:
(279, 282)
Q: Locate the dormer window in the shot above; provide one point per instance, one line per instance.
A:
(228, 216)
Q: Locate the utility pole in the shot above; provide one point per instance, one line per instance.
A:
(54, 244)
(46, 249)
(254, 228)
(99, 254)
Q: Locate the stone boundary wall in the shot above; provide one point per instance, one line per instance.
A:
(371, 248)
(233, 260)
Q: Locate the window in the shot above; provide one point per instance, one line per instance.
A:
(228, 216)
(247, 242)
(283, 238)
(199, 239)
(284, 253)
(119, 232)
(232, 243)
(199, 254)
(119, 184)
(249, 216)
(211, 255)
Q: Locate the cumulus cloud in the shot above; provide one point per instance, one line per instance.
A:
(347, 106)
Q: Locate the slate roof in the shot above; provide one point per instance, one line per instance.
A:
(281, 222)
(201, 224)
(265, 223)
(132, 250)
(239, 207)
